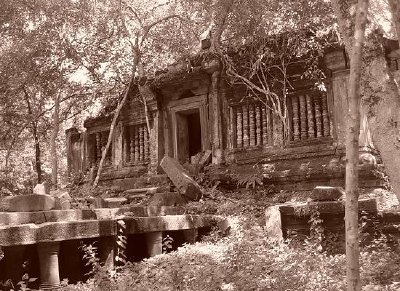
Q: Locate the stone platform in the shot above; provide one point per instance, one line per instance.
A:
(52, 230)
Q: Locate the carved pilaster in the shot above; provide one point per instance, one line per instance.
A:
(252, 125)
(258, 125)
(295, 108)
(303, 118)
(232, 118)
(310, 116)
(246, 139)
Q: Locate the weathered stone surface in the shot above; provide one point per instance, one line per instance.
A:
(328, 207)
(15, 218)
(27, 203)
(114, 202)
(167, 199)
(41, 189)
(67, 230)
(273, 223)
(326, 193)
(182, 181)
(63, 199)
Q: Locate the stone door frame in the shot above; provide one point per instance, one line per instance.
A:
(182, 105)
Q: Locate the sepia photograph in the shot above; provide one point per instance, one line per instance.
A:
(200, 145)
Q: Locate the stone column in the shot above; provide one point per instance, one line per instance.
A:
(48, 260)
(153, 243)
(107, 252)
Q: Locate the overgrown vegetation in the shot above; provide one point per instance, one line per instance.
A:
(247, 260)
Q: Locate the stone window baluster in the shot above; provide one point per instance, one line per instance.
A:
(146, 144)
(318, 117)
(239, 119)
(295, 108)
(264, 117)
(136, 137)
(252, 125)
(246, 139)
(98, 147)
(141, 144)
(232, 118)
(258, 124)
(132, 144)
(310, 117)
(325, 116)
(303, 118)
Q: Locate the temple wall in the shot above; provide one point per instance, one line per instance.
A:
(248, 131)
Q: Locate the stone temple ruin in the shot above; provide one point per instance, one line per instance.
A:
(194, 117)
(194, 111)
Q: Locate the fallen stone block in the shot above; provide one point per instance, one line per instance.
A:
(167, 199)
(273, 223)
(27, 203)
(182, 181)
(326, 193)
(63, 199)
(114, 202)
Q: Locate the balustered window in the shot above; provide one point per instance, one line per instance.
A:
(137, 144)
(251, 125)
(309, 115)
(96, 144)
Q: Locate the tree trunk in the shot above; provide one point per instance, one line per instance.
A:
(112, 127)
(38, 163)
(53, 143)
(381, 97)
(352, 147)
(221, 9)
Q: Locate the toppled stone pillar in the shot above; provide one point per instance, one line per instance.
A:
(153, 243)
(182, 181)
(49, 270)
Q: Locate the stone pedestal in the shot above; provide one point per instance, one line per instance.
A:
(107, 252)
(153, 243)
(49, 270)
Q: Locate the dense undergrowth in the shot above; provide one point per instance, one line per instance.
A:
(247, 260)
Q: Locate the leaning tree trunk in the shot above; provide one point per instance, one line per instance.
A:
(53, 143)
(352, 147)
(111, 134)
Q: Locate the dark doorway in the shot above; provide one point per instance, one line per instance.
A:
(188, 134)
(194, 129)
